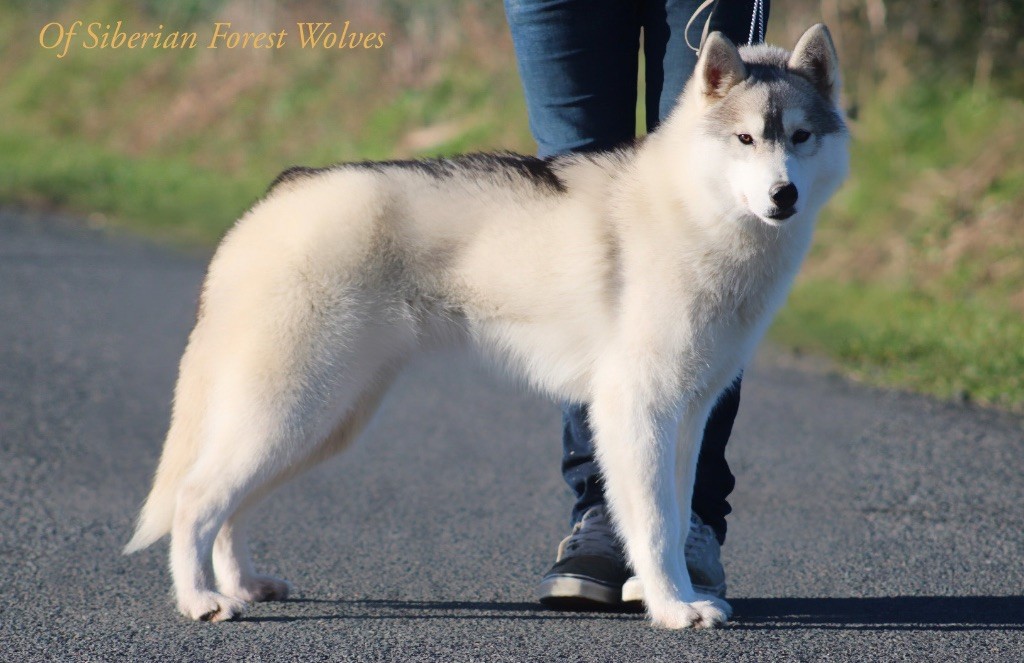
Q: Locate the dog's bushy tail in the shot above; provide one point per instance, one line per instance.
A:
(180, 451)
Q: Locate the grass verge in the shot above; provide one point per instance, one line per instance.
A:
(166, 198)
(960, 350)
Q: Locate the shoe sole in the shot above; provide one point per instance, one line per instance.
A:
(572, 593)
(633, 593)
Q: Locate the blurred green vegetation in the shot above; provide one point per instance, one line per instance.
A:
(916, 278)
(897, 336)
(917, 274)
(180, 142)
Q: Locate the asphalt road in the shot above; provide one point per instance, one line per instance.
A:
(868, 525)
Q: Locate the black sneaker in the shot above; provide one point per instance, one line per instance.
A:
(590, 569)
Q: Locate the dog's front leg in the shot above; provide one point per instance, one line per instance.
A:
(636, 445)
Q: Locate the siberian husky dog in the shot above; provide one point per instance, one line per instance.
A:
(637, 280)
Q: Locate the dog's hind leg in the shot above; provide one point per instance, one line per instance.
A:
(268, 418)
(232, 563)
(241, 454)
(208, 494)
(233, 567)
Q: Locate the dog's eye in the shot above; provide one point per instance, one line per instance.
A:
(746, 139)
(801, 136)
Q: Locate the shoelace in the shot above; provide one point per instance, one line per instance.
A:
(700, 535)
(592, 535)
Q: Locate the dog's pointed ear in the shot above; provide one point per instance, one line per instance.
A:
(815, 58)
(719, 67)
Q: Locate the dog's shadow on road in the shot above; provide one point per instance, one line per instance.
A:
(400, 609)
(909, 613)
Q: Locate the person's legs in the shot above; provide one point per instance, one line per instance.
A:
(714, 481)
(668, 61)
(579, 466)
(578, 62)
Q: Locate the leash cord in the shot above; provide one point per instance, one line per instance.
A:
(756, 24)
(704, 32)
(756, 21)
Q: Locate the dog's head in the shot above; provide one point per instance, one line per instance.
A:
(764, 127)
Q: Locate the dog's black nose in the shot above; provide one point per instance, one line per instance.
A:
(783, 194)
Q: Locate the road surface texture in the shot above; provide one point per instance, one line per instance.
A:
(868, 525)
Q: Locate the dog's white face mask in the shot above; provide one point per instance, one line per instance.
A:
(770, 132)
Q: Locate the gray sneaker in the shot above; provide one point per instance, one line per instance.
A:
(703, 562)
(590, 569)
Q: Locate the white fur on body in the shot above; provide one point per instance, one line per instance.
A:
(640, 286)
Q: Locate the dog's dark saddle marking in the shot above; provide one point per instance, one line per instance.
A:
(293, 173)
(501, 164)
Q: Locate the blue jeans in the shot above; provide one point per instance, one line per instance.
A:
(578, 62)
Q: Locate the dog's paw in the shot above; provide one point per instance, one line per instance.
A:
(211, 607)
(260, 588)
(705, 612)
